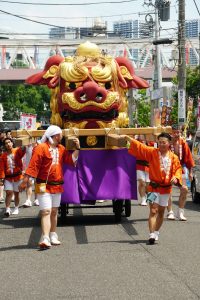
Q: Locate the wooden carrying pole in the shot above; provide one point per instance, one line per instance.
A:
(111, 135)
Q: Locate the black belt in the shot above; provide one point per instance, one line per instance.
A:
(156, 185)
(142, 162)
(38, 180)
(13, 175)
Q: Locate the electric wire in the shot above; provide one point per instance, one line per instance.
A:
(196, 7)
(68, 4)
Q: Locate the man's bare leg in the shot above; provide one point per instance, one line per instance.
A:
(152, 217)
(170, 215)
(181, 203)
(142, 191)
(160, 217)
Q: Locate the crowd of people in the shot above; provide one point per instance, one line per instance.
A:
(160, 165)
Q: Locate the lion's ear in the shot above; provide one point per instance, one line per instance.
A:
(50, 70)
(127, 72)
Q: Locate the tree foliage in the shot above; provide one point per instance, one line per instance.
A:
(192, 90)
(142, 113)
(26, 99)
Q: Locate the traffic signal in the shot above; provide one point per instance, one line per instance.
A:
(162, 41)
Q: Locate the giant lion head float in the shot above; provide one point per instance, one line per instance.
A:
(88, 89)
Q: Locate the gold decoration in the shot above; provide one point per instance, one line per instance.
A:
(103, 124)
(123, 120)
(68, 98)
(102, 74)
(55, 116)
(51, 72)
(91, 140)
(88, 49)
(125, 72)
(80, 125)
(69, 72)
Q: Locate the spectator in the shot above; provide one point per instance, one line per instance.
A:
(180, 147)
(11, 173)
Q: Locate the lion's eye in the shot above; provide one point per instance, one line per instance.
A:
(72, 85)
(108, 85)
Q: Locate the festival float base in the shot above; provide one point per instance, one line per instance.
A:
(104, 171)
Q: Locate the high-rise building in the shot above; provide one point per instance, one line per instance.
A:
(63, 33)
(192, 30)
(132, 29)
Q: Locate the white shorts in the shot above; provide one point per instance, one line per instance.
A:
(162, 199)
(11, 185)
(143, 175)
(47, 200)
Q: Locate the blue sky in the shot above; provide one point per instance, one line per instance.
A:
(81, 15)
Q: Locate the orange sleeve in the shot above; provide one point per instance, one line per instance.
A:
(187, 156)
(20, 152)
(141, 151)
(2, 167)
(177, 169)
(35, 162)
(67, 158)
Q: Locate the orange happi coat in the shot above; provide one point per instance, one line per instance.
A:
(11, 164)
(156, 174)
(142, 165)
(46, 165)
(182, 149)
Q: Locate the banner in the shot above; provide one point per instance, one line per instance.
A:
(198, 114)
(166, 115)
(27, 121)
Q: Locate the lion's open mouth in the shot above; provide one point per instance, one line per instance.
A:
(68, 115)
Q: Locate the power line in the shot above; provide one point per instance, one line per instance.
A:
(196, 6)
(68, 4)
(71, 18)
(30, 20)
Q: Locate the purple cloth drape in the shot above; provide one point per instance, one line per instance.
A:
(100, 175)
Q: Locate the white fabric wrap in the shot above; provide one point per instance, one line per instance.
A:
(51, 130)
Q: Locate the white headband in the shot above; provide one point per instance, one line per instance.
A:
(51, 130)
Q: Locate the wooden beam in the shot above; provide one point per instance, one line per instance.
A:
(115, 140)
(23, 141)
(112, 135)
(99, 131)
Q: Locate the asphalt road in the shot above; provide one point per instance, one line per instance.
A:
(99, 259)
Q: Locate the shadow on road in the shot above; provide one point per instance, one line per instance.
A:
(80, 221)
(23, 222)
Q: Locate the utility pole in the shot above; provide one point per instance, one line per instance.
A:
(181, 65)
(157, 82)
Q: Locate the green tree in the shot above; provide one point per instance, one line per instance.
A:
(143, 110)
(22, 98)
(192, 90)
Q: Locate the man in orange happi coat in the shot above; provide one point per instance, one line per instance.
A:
(180, 147)
(164, 170)
(142, 168)
(11, 173)
(46, 166)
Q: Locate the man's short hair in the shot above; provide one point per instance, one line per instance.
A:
(165, 135)
(7, 138)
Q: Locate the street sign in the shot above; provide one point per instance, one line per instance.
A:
(157, 94)
(181, 106)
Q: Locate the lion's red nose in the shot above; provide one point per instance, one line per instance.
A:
(90, 91)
